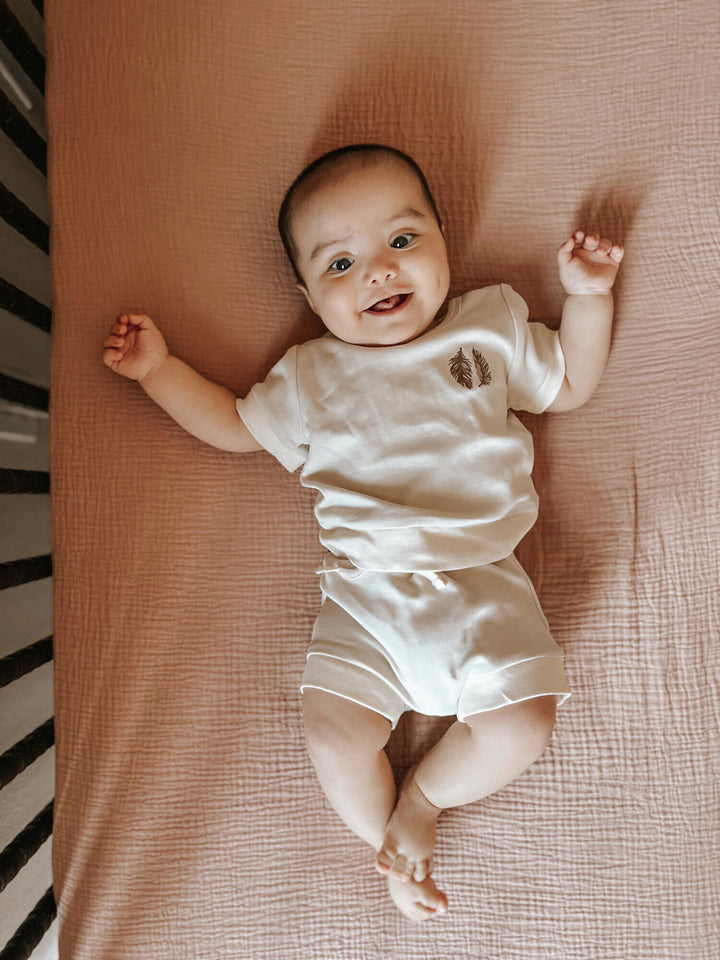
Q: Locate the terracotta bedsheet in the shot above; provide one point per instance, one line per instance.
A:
(188, 821)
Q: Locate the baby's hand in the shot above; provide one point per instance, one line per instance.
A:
(135, 347)
(589, 264)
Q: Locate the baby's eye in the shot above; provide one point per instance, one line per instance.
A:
(402, 241)
(341, 265)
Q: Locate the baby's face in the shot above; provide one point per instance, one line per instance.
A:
(372, 254)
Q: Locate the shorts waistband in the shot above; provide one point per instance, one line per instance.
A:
(341, 565)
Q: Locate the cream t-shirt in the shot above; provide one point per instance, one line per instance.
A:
(418, 460)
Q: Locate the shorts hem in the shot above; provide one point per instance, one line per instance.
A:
(525, 680)
(353, 682)
(481, 693)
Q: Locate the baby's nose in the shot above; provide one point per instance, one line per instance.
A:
(382, 269)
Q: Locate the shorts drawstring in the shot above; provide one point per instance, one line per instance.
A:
(438, 580)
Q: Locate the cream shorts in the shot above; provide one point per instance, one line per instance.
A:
(455, 643)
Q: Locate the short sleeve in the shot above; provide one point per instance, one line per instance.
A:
(271, 411)
(537, 370)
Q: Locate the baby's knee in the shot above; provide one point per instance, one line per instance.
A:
(522, 729)
(335, 726)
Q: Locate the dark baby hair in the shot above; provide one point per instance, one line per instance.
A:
(328, 162)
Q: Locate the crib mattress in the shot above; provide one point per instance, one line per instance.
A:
(188, 822)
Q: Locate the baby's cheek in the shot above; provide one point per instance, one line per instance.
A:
(442, 283)
(340, 301)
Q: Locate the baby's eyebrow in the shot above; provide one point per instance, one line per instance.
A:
(406, 213)
(323, 246)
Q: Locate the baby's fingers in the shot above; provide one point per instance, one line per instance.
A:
(111, 355)
(140, 320)
(115, 344)
(604, 246)
(565, 252)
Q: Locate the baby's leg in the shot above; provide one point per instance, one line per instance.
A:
(472, 760)
(346, 745)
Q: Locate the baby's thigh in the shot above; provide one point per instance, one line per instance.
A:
(340, 726)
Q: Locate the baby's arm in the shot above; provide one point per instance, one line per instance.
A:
(136, 349)
(588, 267)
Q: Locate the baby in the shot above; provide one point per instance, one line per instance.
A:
(400, 418)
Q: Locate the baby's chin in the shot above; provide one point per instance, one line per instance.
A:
(384, 339)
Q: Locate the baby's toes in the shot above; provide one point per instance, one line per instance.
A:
(384, 860)
(402, 869)
(422, 871)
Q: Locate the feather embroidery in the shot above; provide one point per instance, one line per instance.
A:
(461, 369)
(482, 367)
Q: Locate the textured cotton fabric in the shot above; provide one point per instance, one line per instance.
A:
(188, 821)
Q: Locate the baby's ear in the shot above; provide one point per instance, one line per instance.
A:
(307, 296)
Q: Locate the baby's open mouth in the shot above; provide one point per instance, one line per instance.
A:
(391, 303)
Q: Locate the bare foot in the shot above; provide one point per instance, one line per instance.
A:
(407, 849)
(418, 901)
